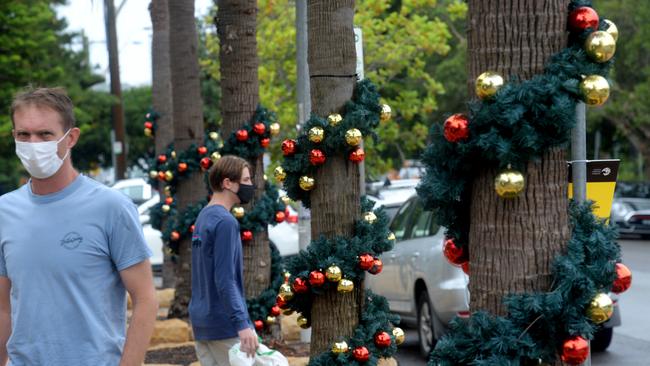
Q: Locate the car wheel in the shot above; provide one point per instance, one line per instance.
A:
(602, 339)
(426, 334)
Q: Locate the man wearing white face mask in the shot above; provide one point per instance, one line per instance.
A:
(70, 249)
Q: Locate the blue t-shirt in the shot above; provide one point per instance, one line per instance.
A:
(63, 253)
(218, 305)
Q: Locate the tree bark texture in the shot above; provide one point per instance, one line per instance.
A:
(513, 242)
(161, 100)
(335, 200)
(188, 128)
(237, 28)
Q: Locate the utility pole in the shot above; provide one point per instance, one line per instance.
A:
(304, 105)
(117, 112)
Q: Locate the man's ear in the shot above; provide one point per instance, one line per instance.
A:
(73, 137)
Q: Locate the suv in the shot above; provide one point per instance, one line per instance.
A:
(418, 282)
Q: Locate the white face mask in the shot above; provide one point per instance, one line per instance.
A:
(40, 158)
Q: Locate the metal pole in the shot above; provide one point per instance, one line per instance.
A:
(579, 166)
(304, 105)
(117, 112)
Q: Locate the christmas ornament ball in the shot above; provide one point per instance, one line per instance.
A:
(345, 286)
(509, 183)
(339, 347)
(575, 350)
(361, 354)
(316, 134)
(488, 84)
(600, 46)
(280, 174)
(306, 183)
(594, 90)
(385, 113)
(582, 18)
(456, 127)
(399, 335)
(623, 279)
(600, 308)
(353, 137)
(333, 273)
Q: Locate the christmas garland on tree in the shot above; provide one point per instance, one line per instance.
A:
(249, 142)
(340, 262)
(512, 124)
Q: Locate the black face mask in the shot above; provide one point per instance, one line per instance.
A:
(246, 192)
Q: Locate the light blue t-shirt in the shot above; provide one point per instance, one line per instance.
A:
(63, 253)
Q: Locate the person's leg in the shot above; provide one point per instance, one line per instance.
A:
(204, 354)
(219, 350)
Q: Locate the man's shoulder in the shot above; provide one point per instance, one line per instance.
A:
(13, 197)
(219, 217)
(105, 195)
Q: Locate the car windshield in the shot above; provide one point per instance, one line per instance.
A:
(135, 193)
(640, 204)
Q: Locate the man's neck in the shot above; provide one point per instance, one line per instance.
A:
(223, 198)
(61, 179)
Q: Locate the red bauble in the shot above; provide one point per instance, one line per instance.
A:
(192, 228)
(206, 163)
(241, 135)
(366, 261)
(169, 200)
(259, 128)
(259, 325)
(162, 158)
(382, 339)
(288, 147)
(316, 278)
(361, 354)
(582, 18)
(575, 350)
(454, 254)
(148, 125)
(202, 150)
(300, 285)
(265, 142)
(175, 236)
(161, 176)
(280, 302)
(357, 155)
(182, 167)
(279, 216)
(316, 157)
(377, 266)
(456, 128)
(465, 267)
(246, 235)
(623, 279)
(275, 311)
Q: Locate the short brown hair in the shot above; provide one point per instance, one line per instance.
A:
(228, 166)
(54, 98)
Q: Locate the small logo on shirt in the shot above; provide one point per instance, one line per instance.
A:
(71, 240)
(196, 241)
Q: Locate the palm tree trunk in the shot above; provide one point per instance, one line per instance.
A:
(188, 128)
(161, 98)
(335, 200)
(237, 27)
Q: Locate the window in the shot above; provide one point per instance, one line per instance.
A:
(421, 222)
(400, 223)
(433, 224)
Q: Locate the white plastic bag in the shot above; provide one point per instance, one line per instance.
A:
(264, 356)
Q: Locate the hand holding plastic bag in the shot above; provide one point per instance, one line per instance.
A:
(264, 356)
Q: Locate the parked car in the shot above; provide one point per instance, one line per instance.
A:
(632, 216)
(418, 282)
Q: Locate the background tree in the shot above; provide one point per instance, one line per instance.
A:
(187, 114)
(236, 23)
(513, 242)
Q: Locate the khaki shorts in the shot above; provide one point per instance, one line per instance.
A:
(214, 353)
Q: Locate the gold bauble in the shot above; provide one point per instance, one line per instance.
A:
(600, 309)
(169, 176)
(353, 137)
(488, 84)
(148, 132)
(265, 177)
(215, 157)
(280, 174)
(168, 191)
(303, 322)
(286, 200)
(612, 29)
(600, 46)
(238, 212)
(213, 135)
(594, 90)
(165, 208)
(386, 113)
(339, 347)
(391, 236)
(173, 154)
(345, 285)
(153, 174)
(509, 183)
(316, 134)
(274, 128)
(270, 320)
(306, 183)
(333, 273)
(369, 217)
(286, 292)
(334, 119)
(399, 335)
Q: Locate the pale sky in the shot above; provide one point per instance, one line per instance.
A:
(133, 34)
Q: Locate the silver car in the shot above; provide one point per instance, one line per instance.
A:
(418, 282)
(632, 216)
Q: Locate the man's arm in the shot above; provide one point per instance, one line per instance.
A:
(138, 281)
(5, 318)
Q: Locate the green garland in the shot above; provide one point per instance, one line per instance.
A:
(518, 124)
(362, 113)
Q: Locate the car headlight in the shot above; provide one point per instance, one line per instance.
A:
(620, 209)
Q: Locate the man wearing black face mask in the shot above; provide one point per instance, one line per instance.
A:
(218, 305)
